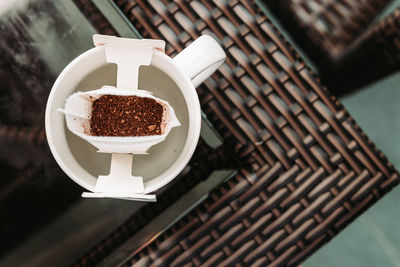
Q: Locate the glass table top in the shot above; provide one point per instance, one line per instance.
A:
(42, 208)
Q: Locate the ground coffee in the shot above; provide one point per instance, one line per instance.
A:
(114, 115)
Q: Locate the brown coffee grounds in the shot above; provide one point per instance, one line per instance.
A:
(114, 115)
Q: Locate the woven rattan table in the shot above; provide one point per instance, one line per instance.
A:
(326, 29)
(375, 55)
(306, 168)
(340, 37)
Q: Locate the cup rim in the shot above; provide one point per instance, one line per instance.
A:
(165, 64)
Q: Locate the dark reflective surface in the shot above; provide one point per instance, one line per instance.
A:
(44, 221)
(38, 38)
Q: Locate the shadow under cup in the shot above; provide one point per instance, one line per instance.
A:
(161, 156)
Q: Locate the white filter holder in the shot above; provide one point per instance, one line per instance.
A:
(78, 111)
(129, 55)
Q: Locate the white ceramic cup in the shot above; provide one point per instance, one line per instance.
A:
(173, 80)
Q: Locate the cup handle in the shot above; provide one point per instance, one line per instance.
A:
(200, 59)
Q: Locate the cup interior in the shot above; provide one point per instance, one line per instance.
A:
(161, 156)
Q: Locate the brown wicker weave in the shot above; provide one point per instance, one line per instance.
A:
(308, 168)
(203, 162)
(376, 55)
(91, 12)
(325, 29)
(382, 44)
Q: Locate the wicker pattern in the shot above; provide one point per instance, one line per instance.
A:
(384, 39)
(326, 28)
(376, 55)
(203, 162)
(91, 12)
(308, 168)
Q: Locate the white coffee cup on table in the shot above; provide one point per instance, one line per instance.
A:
(173, 80)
